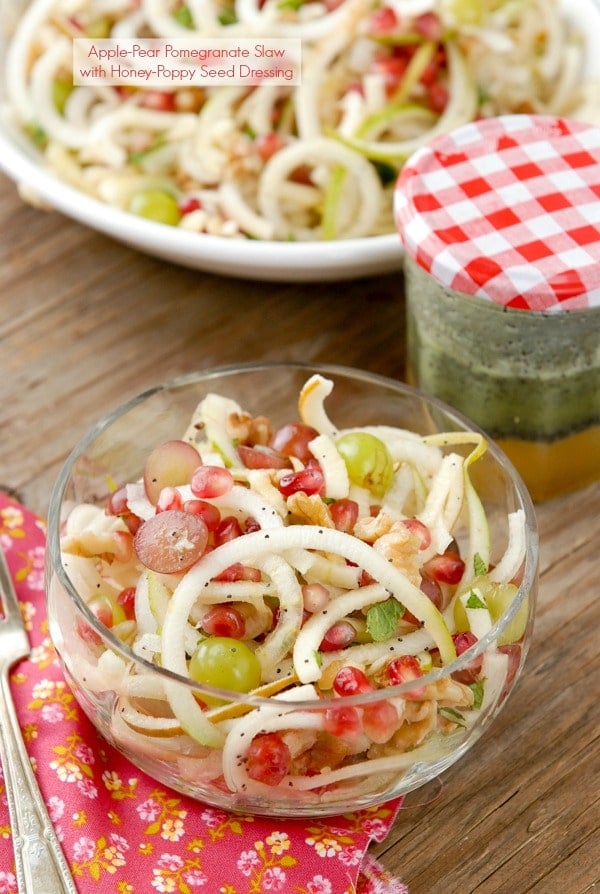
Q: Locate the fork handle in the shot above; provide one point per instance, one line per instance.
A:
(40, 862)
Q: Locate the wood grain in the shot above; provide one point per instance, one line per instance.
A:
(86, 323)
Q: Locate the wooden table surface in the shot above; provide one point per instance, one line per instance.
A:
(86, 323)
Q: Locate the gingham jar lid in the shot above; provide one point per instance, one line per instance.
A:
(508, 209)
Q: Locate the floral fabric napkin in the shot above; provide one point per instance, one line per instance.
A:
(124, 833)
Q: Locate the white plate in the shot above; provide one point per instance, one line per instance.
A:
(250, 259)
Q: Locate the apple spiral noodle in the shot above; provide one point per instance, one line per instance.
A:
(312, 162)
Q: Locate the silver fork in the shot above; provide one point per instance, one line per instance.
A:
(40, 862)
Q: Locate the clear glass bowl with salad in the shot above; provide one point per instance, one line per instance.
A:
(290, 590)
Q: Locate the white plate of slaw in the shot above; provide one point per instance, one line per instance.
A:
(250, 258)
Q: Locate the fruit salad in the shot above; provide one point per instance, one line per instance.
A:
(298, 613)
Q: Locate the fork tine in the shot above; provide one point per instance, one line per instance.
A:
(11, 615)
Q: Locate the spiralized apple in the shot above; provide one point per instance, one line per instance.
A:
(312, 162)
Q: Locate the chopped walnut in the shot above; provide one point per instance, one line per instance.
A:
(394, 541)
(309, 510)
(450, 693)
(247, 429)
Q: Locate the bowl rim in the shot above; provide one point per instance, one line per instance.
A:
(54, 565)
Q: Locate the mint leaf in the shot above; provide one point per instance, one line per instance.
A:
(382, 619)
(479, 566)
(474, 601)
(477, 690)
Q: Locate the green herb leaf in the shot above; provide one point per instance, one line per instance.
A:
(479, 566)
(183, 16)
(319, 658)
(477, 690)
(228, 17)
(383, 618)
(474, 601)
(453, 715)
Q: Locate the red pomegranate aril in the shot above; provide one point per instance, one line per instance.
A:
(262, 458)
(446, 569)
(314, 597)
(383, 21)
(189, 204)
(337, 637)
(293, 439)
(224, 620)
(238, 571)
(251, 525)
(123, 546)
(351, 680)
(159, 101)
(169, 498)
(429, 26)
(208, 512)
(126, 599)
(437, 97)
(405, 669)
(171, 541)
(117, 505)
(228, 529)
(380, 721)
(211, 481)
(344, 722)
(344, 514)
(469, 673)
(309, 481)
(268, 144)
(420, 530)
(268, 759)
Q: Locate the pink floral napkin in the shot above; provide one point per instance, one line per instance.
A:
(124, 833)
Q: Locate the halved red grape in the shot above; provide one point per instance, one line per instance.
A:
(171, 541)
(169, 465)
(293, 439)
(262, 458)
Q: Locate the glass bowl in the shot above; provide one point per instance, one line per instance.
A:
(341, 627)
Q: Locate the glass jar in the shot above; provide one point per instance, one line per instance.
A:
(500, 223)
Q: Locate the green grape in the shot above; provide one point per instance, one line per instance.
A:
(156, 204)
(226, 663)
(61, 90)
(368, 461)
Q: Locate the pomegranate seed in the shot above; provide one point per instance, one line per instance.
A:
(437, 96)
(239, 572)
(309, 480)
(126, 599)
(315, 597)
(351, 680)
(383, 21)
(189, 204)
(446, 569)
(169, 498)
(268, 144)
(159, 101)
(429, 26)
(207, 511)
(262, 458)
(343, 722)
(117, 505)
(268, 759)
(228, 529)
(224, 620)
(251, 525)
(416, 527)
(364, 579)
(469, 673)
(380, 721)
(86, 633)
(404, 669)
(344, 514)
(123, 545)
(211, 481)
(337, 637)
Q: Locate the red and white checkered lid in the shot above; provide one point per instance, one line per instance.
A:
(508, 209)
